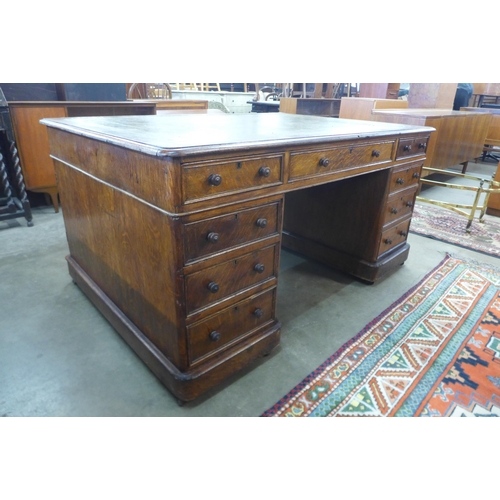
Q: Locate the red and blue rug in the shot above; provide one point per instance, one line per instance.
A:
(434, 353)
(444, 225)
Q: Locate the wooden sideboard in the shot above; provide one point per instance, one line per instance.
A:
(360, 108)
(175, 223)
(459, 135)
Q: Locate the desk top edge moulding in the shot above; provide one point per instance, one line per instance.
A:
(175, 223)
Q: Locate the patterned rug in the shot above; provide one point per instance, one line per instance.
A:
(435, 352)
(444, 225)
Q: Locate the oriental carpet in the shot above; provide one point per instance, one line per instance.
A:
(434, 352)
(444, 225)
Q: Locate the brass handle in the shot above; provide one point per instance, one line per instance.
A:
(400, 181)
(259, 268)
(376, 153)
(416, 175)
(422, 145)
(264, 171)
(394, 210)
(403, 233)
(213, 237)
(214, 179)
(324, 162)
(258, 313)
(387, 241)
(214, 336)
(261, 222)
(407, 148)
(213, 287)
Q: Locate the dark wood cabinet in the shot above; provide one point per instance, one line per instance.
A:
(175, 223)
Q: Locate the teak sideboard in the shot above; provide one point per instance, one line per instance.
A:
(175, 223)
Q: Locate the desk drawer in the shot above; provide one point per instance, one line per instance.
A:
(400, 205)
(412, 147)
(215, 283)
(394, 236)
(208, 180)
(214, 235)
(235, 322)
(403, 178)
(307, 164)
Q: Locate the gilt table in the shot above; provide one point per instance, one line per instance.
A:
(175, 223)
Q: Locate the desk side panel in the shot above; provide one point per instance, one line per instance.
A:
(147, 177)
(130, 250)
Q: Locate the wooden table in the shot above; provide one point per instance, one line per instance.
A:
(175, 223)
(459, 135)
(310, 106)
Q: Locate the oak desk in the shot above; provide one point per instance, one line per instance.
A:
(175, 223)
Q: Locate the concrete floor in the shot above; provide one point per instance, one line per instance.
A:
(60, 357)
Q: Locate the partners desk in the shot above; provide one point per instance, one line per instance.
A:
(175, 223)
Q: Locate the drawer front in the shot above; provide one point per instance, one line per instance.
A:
(394, 236)
(220, 233)
(403, 178)
(412, 147)
(204, 181)
(215, 283)
(399, 205)
(318, 163)
(235, 322)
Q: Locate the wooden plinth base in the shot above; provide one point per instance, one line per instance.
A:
(367, 271)
(186, 386)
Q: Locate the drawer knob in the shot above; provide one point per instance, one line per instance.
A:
(259, 268)
(422, 145)
(409, 204)
(324, 162)
(213, 237)
(403, 233)
(214, 179)
(264, 171)
(394, 210)
(400, 181)
(214, 336)
(376, 153)
(387, 241)
(407, 147)
(213, 287)
(261, 222)
(416, 175)
(258, 313)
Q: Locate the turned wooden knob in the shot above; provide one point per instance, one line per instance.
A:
(258, 313)
(259, 268)
(387, 241)
(213, 287)
(376, 153)
(416, 175)
(324, 162)
(214, 179)
(213, 237)
(422, 145)
(394, 210)
(214, 336)
(261, 222)
(403, 233)
(399, 181)
(264, 171)
(409, 204)
(407, 148)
